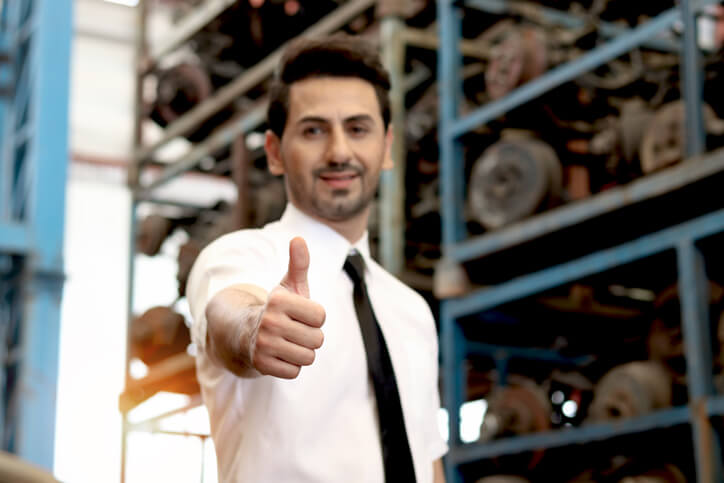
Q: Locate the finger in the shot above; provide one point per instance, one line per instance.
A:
(272, 366)
(293, 354)
(296, 277)
(304, 336)
(297, 308)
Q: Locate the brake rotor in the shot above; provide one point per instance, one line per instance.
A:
(631, 390)
(519, 57)
(511, 180)
(664, 140)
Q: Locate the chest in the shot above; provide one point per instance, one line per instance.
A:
(343, 359)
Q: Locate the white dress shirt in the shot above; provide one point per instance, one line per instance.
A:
(321, 426)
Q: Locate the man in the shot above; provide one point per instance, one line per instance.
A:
(302, 380)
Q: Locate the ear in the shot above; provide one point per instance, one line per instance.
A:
(387, 161)
(273, 148)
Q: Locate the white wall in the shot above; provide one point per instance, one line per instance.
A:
(92, 344)
(93, 325)
(102, 82)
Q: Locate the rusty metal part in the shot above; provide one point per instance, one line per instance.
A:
(399, 8)
(450, 279)
(520, 56)
(15, 470)
(631, 390)
(514, 410)
(578, 183)
(635, 116)
(429, 40)
(624, 135)
(663, 143)
(187, 254)
(511, 180)
(666, 345)
(240, 166)
(581, 300)
(151, 233)
(668, 474)
(175, 374)
(180, 88)
(158, 334)
(503, 479)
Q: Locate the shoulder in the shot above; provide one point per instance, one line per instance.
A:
(243, 256)
(253, 243)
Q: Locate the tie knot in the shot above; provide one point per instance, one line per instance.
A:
(355, 267)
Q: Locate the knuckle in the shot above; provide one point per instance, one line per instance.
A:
(276, 298)
(260, 365)
(272, 324)
(263, 343)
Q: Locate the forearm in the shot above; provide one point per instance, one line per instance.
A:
(438, 472)
(232, 319)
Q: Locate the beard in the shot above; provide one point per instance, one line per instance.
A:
(341, 207)
(341, 204)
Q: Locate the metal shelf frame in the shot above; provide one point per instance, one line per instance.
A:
(681, 238)
(35, 43)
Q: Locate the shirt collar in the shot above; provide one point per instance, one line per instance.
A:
(324, 242)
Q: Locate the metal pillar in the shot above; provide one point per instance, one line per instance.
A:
(392, 183)
(691, 75)
(694, 294)
(37, 34)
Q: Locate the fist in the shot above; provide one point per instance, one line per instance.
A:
(290, 325)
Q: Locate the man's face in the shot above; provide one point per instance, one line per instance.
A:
(333, 147)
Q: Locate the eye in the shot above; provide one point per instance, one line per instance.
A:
(358, 130)
(312, 131)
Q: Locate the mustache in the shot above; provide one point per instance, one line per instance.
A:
(338, 168)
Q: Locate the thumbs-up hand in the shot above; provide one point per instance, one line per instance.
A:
(290, 325)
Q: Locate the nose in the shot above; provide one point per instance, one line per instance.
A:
(339, 150)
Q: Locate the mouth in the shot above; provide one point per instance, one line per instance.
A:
(339, 180)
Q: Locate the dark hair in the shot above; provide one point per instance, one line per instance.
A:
(338, 55)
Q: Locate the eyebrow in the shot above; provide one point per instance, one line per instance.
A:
(322, 120)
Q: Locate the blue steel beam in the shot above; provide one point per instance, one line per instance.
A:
(450, 91)
(449, 21)
(642, 189)
(453, 382)
(565, 72)
(566, 437)
(694, 296)
(14, 238)
(47, 155)
(588, 265)
(715, 406)
(528, 353)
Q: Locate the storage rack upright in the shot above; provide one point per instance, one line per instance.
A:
(35, 38)
(682, 238)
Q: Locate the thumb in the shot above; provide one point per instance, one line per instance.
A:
(296, 278)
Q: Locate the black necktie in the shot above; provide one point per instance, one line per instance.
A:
(395, 448)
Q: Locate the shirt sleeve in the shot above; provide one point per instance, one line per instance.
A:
(245, 256)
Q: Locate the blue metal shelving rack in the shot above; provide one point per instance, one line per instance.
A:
(35, 38)
(682, 239)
